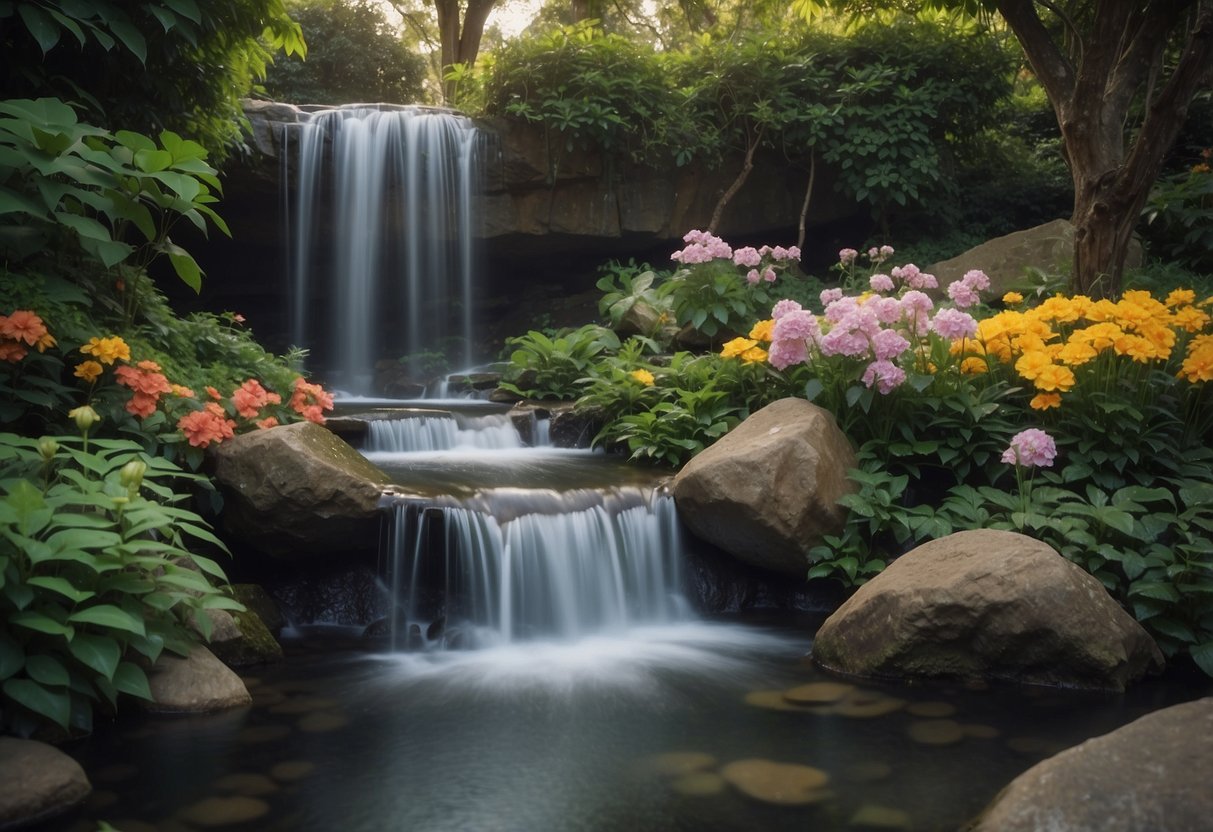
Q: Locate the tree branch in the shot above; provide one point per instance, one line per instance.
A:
(1052, 67)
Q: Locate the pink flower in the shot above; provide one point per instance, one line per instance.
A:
(977, 279)
(752, 277)
(769, 275)
(783, 307)
(793, 253)
(916, 307)
(886, 251)
(887, 344)
(828, 296)
(747, 256)
(881, 283)
(847, 256)
(886, 309)
(783, 354)
(885, 375)
(779, 253)
(800, 325)
(962, 294)
(1031, 448)
(954, 324)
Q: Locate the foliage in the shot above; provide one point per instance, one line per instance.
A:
(66, 186)
(587, 89)
(1178, 218)
(553, 367)
(632, 287)
(194, 61)
(673, 431)
(355, 55)
(95, 577)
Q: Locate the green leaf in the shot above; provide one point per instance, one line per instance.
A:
(131, 38)
(62, 586)
(40, 25)
(41, 623)
(47, 670)
(12, 657)
(187, 269)
(129, 678)
(1202, 654)
(107, 615)
(54, 705)
(101, 653)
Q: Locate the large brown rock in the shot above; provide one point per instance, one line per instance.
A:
(199, 683)
(299, 490)
(768, 490)
(1149, 776)
(1005, 260)
(38, 782)
(987, 605)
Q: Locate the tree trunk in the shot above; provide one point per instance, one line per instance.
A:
(808, 196)
(1103, 228)
(746, 167)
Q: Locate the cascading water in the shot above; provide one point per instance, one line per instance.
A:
(381, 232)
(566, 575)
(441, 432)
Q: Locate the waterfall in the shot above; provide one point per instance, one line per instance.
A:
(442, 433)
(461, 577)
(381, 250)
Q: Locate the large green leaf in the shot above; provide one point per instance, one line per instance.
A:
(130, 678)
(40, 25)
(47, 670)
(101, 653)
(1202, 654)
(62, 586)
(54, 705)
(33, 620)
(107, 615)
(12, 657)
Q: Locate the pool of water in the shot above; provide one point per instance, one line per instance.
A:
(622, 731)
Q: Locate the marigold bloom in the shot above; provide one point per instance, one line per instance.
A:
(1180, 297)
(88, 370)
(1032, 364)
(45, 342)
(202, 427)
(1044, 401)
(1076, 353)
(731, 349)
(107, 350)
(761, 331)
(23, 325)
(1012, 297)
(754, 355)
(1054, 377)
(643, 376)
(1191, 319)
(974, 366)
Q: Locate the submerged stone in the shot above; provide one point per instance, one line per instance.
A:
(931, 710)
(817, 693)
(871, 816)
(936, 731)
(784, 784)
(698, 784)
(676, 763)
(224, 811)
(292, 770)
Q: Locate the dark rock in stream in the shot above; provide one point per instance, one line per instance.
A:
(39, 782)
(1150, 775)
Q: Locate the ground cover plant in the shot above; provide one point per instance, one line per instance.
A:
(1084, 423)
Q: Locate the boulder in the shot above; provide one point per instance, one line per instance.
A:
(1152, 774)
(199, 683)
(240, 639)
(298, 490)
(1005, 260)
(39, 782)
(767, 491)
(987, 605)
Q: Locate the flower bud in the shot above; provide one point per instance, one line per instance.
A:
(131, 475)
(47, 448)
(85, 417)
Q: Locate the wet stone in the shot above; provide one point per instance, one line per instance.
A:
(818, 693)
(246, 783)
(936, 731)
(291, 770)
(224, 811)
(783, 784)
(871, 816)
(677, 763)
(931, 710)
(322, 722)
(698, 784)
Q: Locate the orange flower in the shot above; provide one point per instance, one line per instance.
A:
(310, 400)
(148, 384)
(267, 422)
(12, 352)
(202, 427)
(88, 370)
(250, 397)
(23, 325)
(1043, 401)
(46, 342)
(213, 393)
(182, 392)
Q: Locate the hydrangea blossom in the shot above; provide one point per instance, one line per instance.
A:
(747, 256)
(702, 247)
(886, 375)
(828, 296)
(847, 256)
(888, 344)
(954, 324)
(881, 283)
(1031, 448)
(783, 307)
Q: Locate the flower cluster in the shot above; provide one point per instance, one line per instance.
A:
(1031, 448)
(644, 377)
(210, 424)
(310, 401)
(21, 330)
(148, 385)
(1050, 345)
(749, 349)
(702, 247)
(763, 264)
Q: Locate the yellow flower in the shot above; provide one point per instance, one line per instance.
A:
(1191, 319)
(1135, 347)
(762, 330)
(1054, 377)
(1181, 297)
(974, 366)
(1076, 353)
(643, 376)
(1012, 297)
(1032, 364)
(107, 350)
(754, 355)
(45, 342)
(1043, 401)
(1198, 366)
(1100, 336)
(736, 347)
(88, 370)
